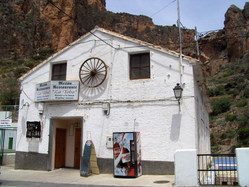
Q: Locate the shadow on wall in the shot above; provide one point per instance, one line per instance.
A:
(175, 127)
(92, 93)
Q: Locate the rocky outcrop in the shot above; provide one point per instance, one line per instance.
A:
(228, 44)
(236, 31)
(28, 26)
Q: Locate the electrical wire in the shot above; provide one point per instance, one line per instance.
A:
(50, 1)
(163, 8)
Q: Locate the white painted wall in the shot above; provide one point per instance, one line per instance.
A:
(202, 122)
(10, 133)
(186, 167)
(242, 155)
(153, 109)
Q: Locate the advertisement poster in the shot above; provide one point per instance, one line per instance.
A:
(127, 154)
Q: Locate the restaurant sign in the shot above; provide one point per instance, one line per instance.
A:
(57, 91)
(5, 119)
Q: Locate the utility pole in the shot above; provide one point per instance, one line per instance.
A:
(180, 42)
(197, 44)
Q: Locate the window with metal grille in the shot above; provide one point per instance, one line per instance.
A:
(140, 66)
(59, 71)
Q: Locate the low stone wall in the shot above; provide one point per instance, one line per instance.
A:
(9, 158)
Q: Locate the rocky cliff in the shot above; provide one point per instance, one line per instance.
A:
(29, 26)
(230, 43)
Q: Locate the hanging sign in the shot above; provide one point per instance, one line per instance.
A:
(57, 91)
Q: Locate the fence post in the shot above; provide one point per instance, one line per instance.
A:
(242, 155)
(186, 167)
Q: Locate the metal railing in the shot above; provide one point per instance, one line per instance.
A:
(217, 169)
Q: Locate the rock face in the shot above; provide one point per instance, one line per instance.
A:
(228, 44)
(236, 31)
(28, 26)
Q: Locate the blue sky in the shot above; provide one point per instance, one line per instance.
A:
(206, 15)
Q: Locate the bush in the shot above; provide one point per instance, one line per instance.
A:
(243, 133)
(246, 93)
(241, 103)
(221, 105)
(219, 90)
(9, 94)
(231, 117)
(42, 54)
(243, 120)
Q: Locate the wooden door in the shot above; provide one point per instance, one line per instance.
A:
(60, 148)
(77, 148)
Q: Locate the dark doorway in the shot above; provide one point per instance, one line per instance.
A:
(60, 148)
(77, 148)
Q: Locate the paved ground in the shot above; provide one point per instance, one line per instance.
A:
(71, 177)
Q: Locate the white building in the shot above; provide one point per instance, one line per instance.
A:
(126, 85)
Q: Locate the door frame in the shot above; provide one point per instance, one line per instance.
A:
(50, 165)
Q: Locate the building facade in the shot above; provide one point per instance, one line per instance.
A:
(103, 83)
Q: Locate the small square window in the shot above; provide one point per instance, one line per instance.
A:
(140, 66)
(59, 71)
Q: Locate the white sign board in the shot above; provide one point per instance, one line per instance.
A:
(57, 91)
(42, 92)
(5, 119)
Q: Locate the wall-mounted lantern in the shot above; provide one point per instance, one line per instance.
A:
(178, 93)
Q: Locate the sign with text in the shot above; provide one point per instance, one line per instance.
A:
(33, 129)
(5, 119)
(57, 91)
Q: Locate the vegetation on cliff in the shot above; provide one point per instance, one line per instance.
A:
(229, 97)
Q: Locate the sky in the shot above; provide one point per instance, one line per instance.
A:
(206, 15)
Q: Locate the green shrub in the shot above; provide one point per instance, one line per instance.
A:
(219, 90)
(221, 105)
(9, 94)
(42, 54)
(246, 93)
(31, 63)
(243, 133)
(241, 103)
(243, 120)
(231, 117)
